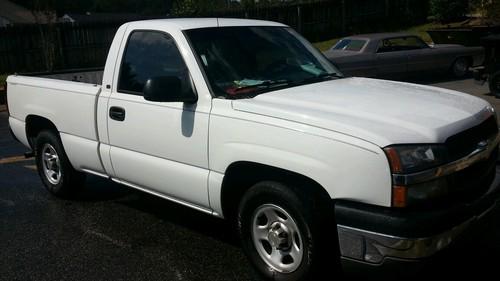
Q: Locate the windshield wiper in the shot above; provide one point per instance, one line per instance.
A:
(258, 88)
(251, 91)
(321, 77)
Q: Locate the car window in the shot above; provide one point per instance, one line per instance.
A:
(150, 54)
(401, 44)
(354, 45)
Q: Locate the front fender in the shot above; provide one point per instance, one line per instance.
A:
(345, 167)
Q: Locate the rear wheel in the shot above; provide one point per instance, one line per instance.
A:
(285, 236)
(460, 67)
(54, 168)
(494, 83)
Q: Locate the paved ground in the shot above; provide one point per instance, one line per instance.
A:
(469, 86)
(115, 233)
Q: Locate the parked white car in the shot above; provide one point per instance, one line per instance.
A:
(245, 120)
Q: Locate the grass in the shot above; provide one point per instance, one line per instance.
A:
(325, 45)
(420, 30)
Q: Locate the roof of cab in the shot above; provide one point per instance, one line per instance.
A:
(379, 36)
(192, 23)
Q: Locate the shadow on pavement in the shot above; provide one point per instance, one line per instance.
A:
(98, 189)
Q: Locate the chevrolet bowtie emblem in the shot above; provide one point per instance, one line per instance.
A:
(482, 144)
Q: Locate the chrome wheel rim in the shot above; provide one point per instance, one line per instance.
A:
(51, 164)
(277, 238)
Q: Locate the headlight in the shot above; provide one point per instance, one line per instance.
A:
(414, 158)
(407, 159)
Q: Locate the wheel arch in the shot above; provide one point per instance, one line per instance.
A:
(242, 175)
(35, 124)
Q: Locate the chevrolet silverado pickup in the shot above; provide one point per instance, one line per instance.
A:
(246, 121)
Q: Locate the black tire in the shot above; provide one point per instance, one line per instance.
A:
(460, 67)
(68, 182)
(315, 224)
(494, 84)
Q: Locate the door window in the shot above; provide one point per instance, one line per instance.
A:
(401, 44)
(150, 54)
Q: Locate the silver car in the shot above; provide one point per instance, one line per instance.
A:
(396, 55)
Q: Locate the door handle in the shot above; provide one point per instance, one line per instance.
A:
(117, 113)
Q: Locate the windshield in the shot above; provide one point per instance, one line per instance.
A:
(354, 45)
(245, 61)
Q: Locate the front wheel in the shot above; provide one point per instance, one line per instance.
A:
(54, 168)
(283, 235)
(494, 83)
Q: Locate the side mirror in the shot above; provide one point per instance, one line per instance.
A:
(167, 89)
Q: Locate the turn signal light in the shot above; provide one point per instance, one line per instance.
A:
(399, 196)
(394, 161)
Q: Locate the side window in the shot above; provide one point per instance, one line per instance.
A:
(150, 54)
(400, 44)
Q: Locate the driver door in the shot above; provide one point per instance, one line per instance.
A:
(392, 61)
(159, 147)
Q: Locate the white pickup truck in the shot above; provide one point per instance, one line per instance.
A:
(245, 120)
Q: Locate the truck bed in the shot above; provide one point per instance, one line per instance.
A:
(70, 106)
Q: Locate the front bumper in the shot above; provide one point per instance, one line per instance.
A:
(376, 235)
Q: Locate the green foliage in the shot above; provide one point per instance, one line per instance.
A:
(449, 10)
(493, 10)
(186, 8)
(325, 45)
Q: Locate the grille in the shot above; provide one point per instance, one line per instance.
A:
(474, 181)
(464, 143)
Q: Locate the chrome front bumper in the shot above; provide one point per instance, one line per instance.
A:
(374, 248)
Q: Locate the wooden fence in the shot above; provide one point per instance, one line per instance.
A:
(34, 48)
(333, 18)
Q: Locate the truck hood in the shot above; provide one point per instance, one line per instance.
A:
(381, 112)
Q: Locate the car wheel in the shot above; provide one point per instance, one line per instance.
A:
(494, 83)
(54, 168)
(283, 235)
(460, 67)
